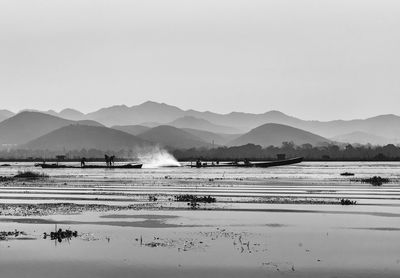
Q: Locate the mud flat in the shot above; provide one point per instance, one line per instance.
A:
(263, 224)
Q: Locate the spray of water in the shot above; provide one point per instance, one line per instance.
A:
(157, 157)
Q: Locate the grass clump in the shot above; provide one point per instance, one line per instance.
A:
(193, 200)
(375, 180)
(347, 202)
(30, 175)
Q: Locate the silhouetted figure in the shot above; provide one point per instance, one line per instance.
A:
(198, 163)
(112, 158)
(107, 159)
(83, 161)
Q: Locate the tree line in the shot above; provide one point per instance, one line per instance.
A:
(253, 152)
(330, 152)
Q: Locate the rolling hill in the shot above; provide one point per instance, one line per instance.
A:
(145, 112)
(5, 114)
(153, 114)
(201, 124)
(27, 126)
(71, 114)
(132, 129)
(219, 139)
(384, 125)
(77, 137)
(359, 137)
(274, 134)
(173, 137)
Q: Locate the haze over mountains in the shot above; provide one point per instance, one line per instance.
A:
(274, 134)
(173, 127)
(27, 126)
(77, 137)
(5, 114)
(169, 136)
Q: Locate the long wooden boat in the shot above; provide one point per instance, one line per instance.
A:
(251, 164)
(274, 163)
(62, 166)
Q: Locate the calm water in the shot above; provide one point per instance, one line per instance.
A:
(304, 232)
(306, 170)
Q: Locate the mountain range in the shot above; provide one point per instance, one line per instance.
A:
(200, 128)
(169, 136)
(77, 137)
(153, 113)
(27, 126)
(274, 134)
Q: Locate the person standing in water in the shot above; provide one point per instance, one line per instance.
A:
(83, 162)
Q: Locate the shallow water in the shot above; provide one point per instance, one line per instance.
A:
(283, 221)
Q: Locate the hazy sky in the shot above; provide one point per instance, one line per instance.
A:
(315, 59)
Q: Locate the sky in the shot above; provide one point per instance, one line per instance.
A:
(314, 59)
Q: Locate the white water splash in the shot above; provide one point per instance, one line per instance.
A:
(156, 158)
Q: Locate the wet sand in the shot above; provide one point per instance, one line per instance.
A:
(260, 226)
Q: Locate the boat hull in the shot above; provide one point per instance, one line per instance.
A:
(257, 164)
(127, 166)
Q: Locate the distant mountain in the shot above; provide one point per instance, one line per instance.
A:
(274, 134)
(153, 114)
(131, 129)
(359, 137)
(145, 112)
(72, 114)
(5, 114)
(173, 137)
(68, 113)
(217, 138)
(201, 124)
(77, 137)
(27, 126)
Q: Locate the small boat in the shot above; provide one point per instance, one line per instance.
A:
(274, 163)
(61, 166)
(248, 164)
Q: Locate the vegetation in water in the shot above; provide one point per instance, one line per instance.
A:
(375, 180)
(347, 202)
(193, 200)
(30, 175)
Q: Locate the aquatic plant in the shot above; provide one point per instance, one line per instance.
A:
(347, 202)
(152, 198)
(30, 175)
(60, 235)
(2, 178)
(191, 198)
(375, 180)
(4, 235)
